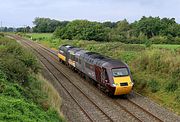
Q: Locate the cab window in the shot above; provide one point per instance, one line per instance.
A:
(120, 72)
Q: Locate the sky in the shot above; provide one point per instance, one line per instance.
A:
(17, 13)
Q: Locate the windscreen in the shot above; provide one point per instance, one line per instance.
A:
(120, 72)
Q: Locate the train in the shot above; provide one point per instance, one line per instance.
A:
(110, 75)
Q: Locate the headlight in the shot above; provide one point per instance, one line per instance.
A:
(131, 83)
(114, 84)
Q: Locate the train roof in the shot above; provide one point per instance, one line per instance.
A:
(81, 52)
(74, 50)
(114, 64)
(96, 58)
(103, 61)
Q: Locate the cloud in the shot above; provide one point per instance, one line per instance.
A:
(22, 12)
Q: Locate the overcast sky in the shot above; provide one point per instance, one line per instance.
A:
(22, 12)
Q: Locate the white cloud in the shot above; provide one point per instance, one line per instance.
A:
(22, 12)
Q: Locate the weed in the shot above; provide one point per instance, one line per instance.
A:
(171, 87)
(154, 85)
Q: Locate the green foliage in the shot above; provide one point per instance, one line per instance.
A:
(154, 85)
(19, 110)
(171, 86)
(46, 25)
(141, 84)
(83, 30)
(1, 35)
(147, 30)
(16, 62)
(22, 94)
(148, 43)
(23, 29)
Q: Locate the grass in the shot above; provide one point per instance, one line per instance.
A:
(155, 69)
(24, 94)
(166, 46)
(40, 35)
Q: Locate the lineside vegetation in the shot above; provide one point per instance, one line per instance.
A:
(24, 94)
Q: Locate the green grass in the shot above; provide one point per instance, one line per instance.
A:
(40, 35)
(155, 69)
(166, 46)
(24, 94)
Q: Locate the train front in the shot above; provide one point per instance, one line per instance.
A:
(120, 78)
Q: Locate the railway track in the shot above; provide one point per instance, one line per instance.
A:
(117, 102)
(103, 115)
(136, 110)
(138, 106)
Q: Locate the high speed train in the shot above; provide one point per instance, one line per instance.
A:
(112, 76)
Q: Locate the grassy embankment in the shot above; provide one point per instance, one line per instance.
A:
(155, 69)
(25, 96)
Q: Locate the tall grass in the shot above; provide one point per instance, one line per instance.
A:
(24, 94)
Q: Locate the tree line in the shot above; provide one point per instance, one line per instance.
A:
(146, 30)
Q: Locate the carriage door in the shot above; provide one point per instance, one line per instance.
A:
(104, 76)
(98, 73)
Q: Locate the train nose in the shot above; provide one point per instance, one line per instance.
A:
(122, 90)
(123, 85)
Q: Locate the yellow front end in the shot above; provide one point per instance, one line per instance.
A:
(61, 57)
(120, 88)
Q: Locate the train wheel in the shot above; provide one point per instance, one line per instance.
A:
(93, 82)
(59, 60)
(124, 96)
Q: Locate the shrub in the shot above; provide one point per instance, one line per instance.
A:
(177, 97)
(33, 100)
(14, 69)
(153, 85)
(148, 43)
(12, 109)
(171, 86)
(1, 35)
(158, 40)
(140, 83)
(16, 62)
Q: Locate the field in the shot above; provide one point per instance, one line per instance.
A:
(24, 94)
(155, 69)
(166, 46)
(40, 35)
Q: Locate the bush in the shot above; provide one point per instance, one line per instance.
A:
(177, 96)
(19, 110)
(171, 86)
(140, 83)
(148, 43)
(20, 100)
(1, 35)
(153, 85)
(16, 62)
(14, 69)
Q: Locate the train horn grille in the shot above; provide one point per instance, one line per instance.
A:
(124, 84)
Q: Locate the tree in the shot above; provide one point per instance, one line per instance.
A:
(149, 26)
(121, 31)
(83, 30)
(46, 25)
(109, 24)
